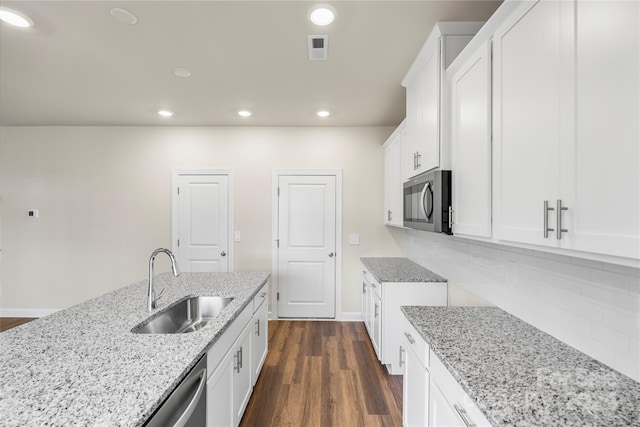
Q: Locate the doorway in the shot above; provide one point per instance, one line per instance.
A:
(307, 251)
(203, 220)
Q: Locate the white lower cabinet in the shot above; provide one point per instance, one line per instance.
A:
(431, 396)
(415, 384)
(382, 315)
(234, 363)
(260, 335)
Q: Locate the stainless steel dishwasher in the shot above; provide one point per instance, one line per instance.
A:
(186, 406)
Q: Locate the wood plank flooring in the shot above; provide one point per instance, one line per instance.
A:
(323, 374)
(7, 323)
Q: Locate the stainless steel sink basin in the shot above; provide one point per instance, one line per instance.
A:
(188, 315)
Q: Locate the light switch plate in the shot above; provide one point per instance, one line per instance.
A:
(354, 239)
(237, 237)
(33, 213)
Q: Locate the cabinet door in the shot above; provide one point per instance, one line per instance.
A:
(260, 340)
(441, 413)
(527, 101)
(366, 307)
(393, 181)
(471, 144)
(220, 411)
(414, 126)
(428, 143)
(242, 383)
(415, 391)
(376, 339)
(601, 171)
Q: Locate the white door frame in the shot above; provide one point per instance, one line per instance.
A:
(276, 173)
(175, 207)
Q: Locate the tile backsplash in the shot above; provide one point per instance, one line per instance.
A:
(592, 306)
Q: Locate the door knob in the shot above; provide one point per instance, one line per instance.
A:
(330, 254)
(223, 253)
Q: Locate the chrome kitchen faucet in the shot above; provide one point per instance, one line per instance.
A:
(151, 302)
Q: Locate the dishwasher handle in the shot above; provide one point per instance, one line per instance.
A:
(182, 421)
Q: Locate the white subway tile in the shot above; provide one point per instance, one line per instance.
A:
(615, 340)
(569, 286)
(597, 294)
(577, 272)
(627, 365)
(622, 269)
(597, 350)
(627, 323)
(627, 302)
(614, 280)
(634, 348)
(509, 256)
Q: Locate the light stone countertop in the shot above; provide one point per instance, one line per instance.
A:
(399, 270)
(84, 367)
(521, 376)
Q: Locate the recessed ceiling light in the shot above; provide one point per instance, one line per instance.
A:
(322, 14)
(245, 113)
(124, 16)
(165, 113)
(15, 18)
(323, 113)
(182, 72)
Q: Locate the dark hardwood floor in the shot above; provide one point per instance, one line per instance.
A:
(7, 323)
(323, 374)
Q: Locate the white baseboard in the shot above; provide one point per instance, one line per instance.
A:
(352, 316)
(27, 312)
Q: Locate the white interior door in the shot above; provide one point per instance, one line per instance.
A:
(203, 223)
(307, 246)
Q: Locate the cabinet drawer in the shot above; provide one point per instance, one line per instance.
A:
(260, 297)
(457, 399)
(225, 342)
(375, 286)
(415, 343)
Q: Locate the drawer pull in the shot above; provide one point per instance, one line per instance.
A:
(409, 338)
(463, 414)
(401, 359)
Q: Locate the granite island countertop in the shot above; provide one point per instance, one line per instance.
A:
(84, 366)
(519, 375)
(399, 270)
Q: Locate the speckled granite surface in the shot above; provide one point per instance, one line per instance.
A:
(399, 270)
(521, 376)
(83, 366)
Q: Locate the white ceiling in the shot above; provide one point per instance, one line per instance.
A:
(79, 66)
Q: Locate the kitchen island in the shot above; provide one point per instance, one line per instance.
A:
(84, 366)
(518, 375)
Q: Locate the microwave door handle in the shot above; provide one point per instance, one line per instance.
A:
(422, 204)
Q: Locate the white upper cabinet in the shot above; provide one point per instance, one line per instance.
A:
(427, 97)
(527, 102)
(600, 165)
(565, 126)
(393, 177)
(471, 143)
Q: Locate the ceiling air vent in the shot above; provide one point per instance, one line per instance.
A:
(317, 47)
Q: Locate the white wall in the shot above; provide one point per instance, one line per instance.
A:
(104, 196)
(592, 306)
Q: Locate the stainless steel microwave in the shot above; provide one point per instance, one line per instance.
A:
(427, 202)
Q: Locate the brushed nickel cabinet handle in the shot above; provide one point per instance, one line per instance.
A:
(409, 338)
(463, 414)
(546, 219)
(559, 209)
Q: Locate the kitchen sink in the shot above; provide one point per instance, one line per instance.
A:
(188, 315)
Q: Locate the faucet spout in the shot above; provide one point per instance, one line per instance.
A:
(151, 300)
